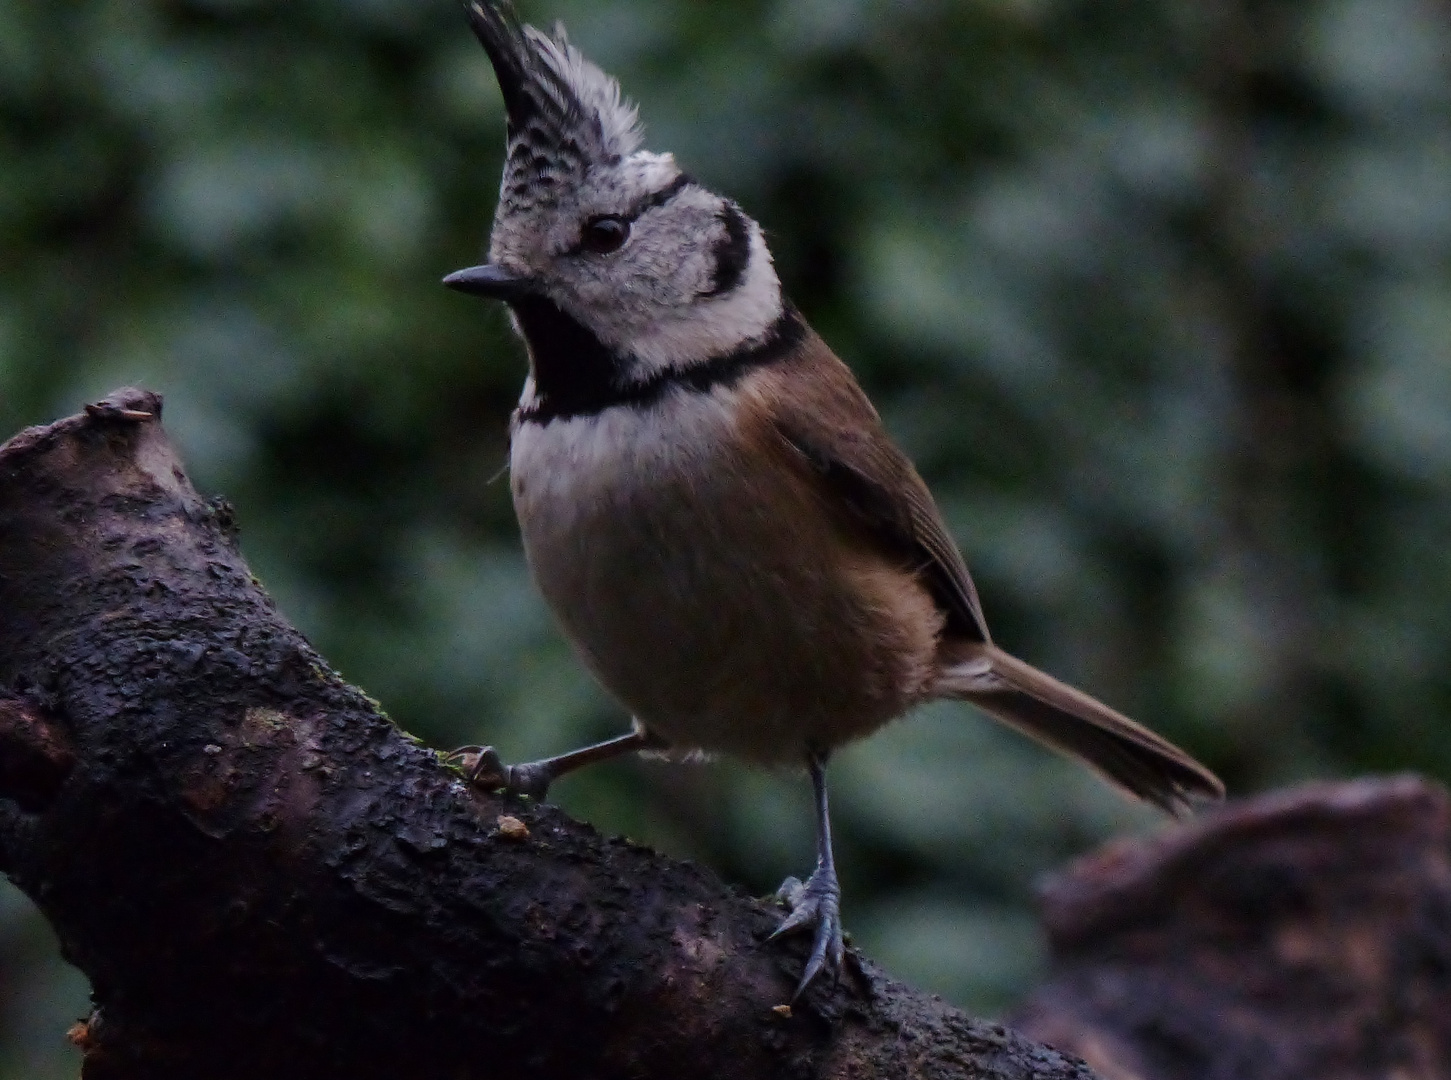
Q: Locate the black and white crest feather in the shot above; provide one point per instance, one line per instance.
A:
(564, 113)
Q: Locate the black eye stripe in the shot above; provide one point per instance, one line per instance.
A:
(659, 198)
(648, 202)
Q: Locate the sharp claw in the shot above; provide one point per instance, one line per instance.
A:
(817, 904)
(826, 951)
(485, 769)
(465, 757)
(482, 766)
(798, 919)
(489, 769)
(814, 964)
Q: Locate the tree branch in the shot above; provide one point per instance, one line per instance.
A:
(263, 877)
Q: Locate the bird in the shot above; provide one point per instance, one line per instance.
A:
(709, 503)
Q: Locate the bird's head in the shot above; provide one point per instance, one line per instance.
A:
(599, 240)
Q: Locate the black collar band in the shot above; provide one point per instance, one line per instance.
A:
(576, 375)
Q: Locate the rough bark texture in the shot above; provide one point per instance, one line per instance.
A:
(263, 877)
(1305, 934)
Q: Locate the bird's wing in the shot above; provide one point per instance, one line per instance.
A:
(823, 415)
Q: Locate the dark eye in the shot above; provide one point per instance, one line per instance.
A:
(603, 235)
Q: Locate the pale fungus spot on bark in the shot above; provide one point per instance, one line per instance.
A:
(511, 828)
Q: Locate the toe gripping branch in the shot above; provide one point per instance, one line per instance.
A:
(817, 902)
(487, 770)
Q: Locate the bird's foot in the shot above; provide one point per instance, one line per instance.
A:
(815, 903)
(485, 769)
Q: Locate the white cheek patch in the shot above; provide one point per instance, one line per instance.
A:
(713, 326)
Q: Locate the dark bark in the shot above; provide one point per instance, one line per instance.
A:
(263, 877)
(1304, 934)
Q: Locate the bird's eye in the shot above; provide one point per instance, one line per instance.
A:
(603, 235)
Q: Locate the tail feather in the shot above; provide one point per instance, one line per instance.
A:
(1127, 754)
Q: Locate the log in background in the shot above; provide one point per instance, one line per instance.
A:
(262, 877)
(1303, 935)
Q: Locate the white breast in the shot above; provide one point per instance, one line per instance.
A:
(705, 587)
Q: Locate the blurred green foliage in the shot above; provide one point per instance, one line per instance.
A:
(1157, 292)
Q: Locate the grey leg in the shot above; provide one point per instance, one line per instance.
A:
(817, 903)
(534, 777)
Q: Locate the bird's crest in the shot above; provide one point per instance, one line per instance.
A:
(564, 113)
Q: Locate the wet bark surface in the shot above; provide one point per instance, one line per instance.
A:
(1303, 935)
(263, 877)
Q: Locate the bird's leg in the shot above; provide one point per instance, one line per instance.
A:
(817, 903)
(532, 778)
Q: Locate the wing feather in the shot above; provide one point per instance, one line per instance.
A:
(826, 418)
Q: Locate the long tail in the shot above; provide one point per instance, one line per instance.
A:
(1128, 755)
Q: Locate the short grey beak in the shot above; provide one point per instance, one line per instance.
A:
(491, 281)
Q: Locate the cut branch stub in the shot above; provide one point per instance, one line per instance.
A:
(1306, 933)
(264, 878)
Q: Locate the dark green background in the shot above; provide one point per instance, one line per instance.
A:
(1157, 292)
